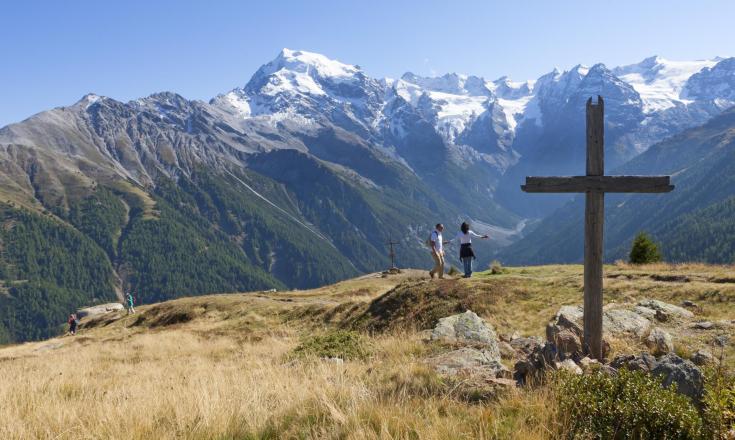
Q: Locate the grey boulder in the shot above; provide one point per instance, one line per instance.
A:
(645, 362)
(659, 342)
(470, 362)
(469, 329)
(684, 374)
(666, 309)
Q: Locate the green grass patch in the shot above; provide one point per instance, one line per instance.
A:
(343, 344)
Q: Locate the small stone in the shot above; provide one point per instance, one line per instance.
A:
(669, 309)
(645, 312)
(532, 368)
(687, 303)
(645, 362)
(568, 343)
(526, 345)
(100, 309)
(704, 325)
(659, 342)
(610, 371)
(335, 360)
(702, 357)
(722, 340)
(662, 316)
(588, 364)
(568, 365)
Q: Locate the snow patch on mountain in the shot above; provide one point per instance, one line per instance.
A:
(659, 81)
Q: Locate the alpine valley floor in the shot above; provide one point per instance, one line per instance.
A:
(239, 365)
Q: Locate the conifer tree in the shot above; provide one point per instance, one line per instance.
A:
(644, 250)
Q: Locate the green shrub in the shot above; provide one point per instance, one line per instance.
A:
(341, 344)
(496, 268)
(644, 250)
(630, 405)
(719, 403)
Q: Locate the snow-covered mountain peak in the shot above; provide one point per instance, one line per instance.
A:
(507, 89)
(714, 83)
(299, 60)
(451, 83)
(659, 81)
(300, 72)
(580, 70)
(91, 99)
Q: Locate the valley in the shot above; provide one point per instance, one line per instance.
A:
(298, 178)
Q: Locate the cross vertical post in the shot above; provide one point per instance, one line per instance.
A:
(594, 184)
(593, 231)
(392, 254)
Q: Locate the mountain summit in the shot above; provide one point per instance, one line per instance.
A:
(299, 177)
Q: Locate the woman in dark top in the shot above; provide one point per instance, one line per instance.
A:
(466, 255)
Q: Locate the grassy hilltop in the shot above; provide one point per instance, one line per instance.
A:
(257, 365)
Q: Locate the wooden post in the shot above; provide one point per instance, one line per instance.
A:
(593, 228)
(595, 184)
(392, 254)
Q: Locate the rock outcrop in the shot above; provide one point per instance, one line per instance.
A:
(480, 355)
(468, 329)
(684, 374)
(644, 362)
(661, 309)
(659, 342)
(469, 361)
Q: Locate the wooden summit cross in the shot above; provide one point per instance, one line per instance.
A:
(595, 184)
(392, 253)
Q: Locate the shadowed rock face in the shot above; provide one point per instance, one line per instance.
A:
(685, 375)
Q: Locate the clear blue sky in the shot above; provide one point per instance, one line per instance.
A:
(53, 52)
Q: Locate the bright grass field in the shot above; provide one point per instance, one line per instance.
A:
(224, 366)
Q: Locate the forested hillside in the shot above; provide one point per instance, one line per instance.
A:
(299, 177)
(48, 269)
(692, 223)
(209, 232)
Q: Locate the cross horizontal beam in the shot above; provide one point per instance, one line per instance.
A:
(580, 184)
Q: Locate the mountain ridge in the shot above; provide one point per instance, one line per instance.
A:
(299, 177)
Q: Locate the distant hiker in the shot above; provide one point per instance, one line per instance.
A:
(131, 302)
(436, 243)
(466, 255)
(73, 323)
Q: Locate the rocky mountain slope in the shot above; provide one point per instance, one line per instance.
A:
(299, 177)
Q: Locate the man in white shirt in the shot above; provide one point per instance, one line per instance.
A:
(437, 251)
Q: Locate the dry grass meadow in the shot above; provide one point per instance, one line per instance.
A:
(222, 366)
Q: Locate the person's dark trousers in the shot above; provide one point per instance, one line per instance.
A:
(467, 261)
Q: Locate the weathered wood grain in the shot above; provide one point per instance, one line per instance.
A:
(615, 184)
(595, 137)
(593, 237)
(595, 184)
